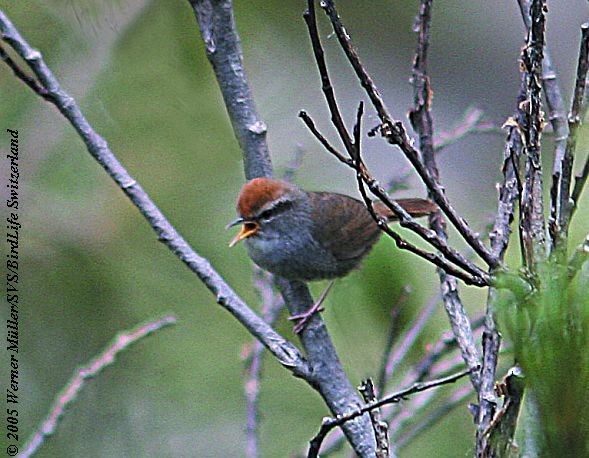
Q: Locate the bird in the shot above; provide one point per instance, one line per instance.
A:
(308, 235)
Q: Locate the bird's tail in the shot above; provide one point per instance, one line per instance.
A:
(414, 206)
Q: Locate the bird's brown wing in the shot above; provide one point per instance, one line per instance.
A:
(415, 206)
(343, 225)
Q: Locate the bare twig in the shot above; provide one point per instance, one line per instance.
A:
(392, 359)
(475, 275)
(457, 398)
(21, 75)
(531, 200)
(422, 370)
(392, 331)
(286, 353)
(501, 431)
(576, 118)
(558, 121)
(518, 141)
(272, 304)
(70, 392)
(471, 123)
(395, 133)
(381, 429)
(329, 423)
(421, 120)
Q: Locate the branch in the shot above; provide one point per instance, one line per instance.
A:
(457, 398)
(21, 75)
(223, 48)
(395, 133)
(272, 304)
(531, 200)
(381, 429)
(557, 117)
(286, 353)
(421, 370)
(422, 122)
(477, 276)
(70, 392)
(473, 276)
(218, 30)
(329, 423)
(470, 123)
(392, 359)
(576, 118)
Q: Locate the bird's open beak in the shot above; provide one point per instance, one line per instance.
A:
(248, 229)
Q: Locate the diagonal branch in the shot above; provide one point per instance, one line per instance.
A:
(70, 392)
(329, 423)
(477, 276)
(474, 275)
(395, 133)
(286, 353)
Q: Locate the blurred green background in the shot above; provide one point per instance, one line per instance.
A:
(91, 266)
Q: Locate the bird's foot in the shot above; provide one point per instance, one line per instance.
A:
(303, 318)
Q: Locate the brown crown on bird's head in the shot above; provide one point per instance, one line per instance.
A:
(257, 193)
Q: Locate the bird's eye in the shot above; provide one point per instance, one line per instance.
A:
(266, 214)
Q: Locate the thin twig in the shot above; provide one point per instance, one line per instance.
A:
(381, 429)
(432, 418)
(576, 118)
(70, 392)
(329, 423)
(21, 75)
(395, 133)
(272, 304)
(471, 123)
(406, 342)
(475, 275)
(383, 374)
(422, 370)
(478, 276)
(286, 353)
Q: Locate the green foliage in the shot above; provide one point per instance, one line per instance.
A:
(549, 329)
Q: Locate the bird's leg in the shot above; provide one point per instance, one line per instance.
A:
(303, 318)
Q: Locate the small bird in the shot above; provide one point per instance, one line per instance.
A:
(302, 235)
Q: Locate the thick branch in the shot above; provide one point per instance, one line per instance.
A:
(217, 25)
(223, 48)
(286, 353)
